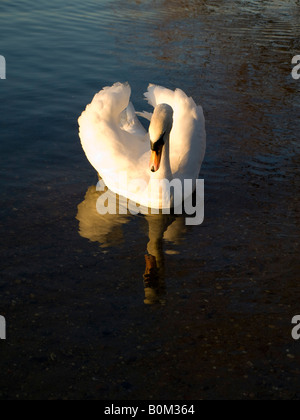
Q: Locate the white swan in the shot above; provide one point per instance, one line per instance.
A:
(118, 146)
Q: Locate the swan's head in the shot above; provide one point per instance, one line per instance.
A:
(159, 132)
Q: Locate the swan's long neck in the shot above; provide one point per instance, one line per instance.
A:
(164, 171)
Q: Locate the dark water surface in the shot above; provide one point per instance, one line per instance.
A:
(79, 319)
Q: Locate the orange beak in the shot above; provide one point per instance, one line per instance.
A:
(155, 160)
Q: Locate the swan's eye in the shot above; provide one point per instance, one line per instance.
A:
(157, 146)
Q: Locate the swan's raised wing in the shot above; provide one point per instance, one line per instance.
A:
(111, 135)
(157, 95)
(188, 136)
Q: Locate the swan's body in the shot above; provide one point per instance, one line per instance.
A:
(118, 146)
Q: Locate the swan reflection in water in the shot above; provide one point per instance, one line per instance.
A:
(108, 231)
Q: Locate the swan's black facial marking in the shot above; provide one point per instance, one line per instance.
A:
(158, 145)
(156, 149)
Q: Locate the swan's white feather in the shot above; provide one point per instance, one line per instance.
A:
(145, 114)
(130, 123)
